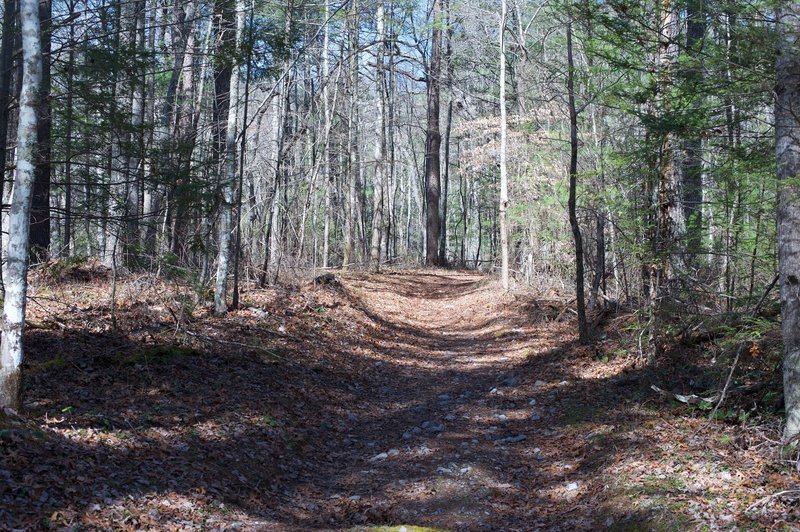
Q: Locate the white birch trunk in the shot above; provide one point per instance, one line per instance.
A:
(16, 251)
(228, 185)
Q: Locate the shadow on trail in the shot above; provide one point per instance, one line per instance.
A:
(463, 429)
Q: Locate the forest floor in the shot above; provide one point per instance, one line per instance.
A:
(414, 398)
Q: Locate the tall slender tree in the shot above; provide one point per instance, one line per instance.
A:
(583, 326)
(380, 192)
(433, 141)
(503, 207)
(16, 250)
(229, 177)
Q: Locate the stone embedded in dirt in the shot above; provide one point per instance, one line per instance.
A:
(423, 451)
(572, 486)
(511, 439)
(535, 417)
(393, 452)
(425, 424)
(509, 381)
(493, 391)
(436, 428)
(354, 498)
(416, 430)
(532, 402)
(378, 457)
(539, 383)
(502, 417)
(407, 435)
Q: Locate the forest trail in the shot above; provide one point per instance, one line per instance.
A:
(448, 429)
(424, 398)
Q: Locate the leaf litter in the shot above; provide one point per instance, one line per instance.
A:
(408, 398)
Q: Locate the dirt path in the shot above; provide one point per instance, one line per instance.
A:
(406, 398)
(448, 427)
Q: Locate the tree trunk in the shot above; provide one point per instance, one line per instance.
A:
(353, 215)
(16, 252)
(40, 207)
(66, 242)
(434, 140)
(379, 201)
(229, 179)
(447, 133)
(583, 326)
(503, 207)
(692, 173)
(787, 152)
(6, 70)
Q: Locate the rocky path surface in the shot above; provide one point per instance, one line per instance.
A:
(448, 425)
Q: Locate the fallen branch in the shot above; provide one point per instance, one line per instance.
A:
(692, 399)
(766, 500)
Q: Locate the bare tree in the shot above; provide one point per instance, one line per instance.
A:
(379, 199)
(16, 250)
(503, 148)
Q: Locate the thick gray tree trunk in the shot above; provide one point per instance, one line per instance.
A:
(787, 152)
(16, 252)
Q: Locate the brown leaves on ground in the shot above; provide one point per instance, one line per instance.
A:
(420, 398)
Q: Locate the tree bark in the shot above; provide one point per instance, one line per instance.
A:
(434, 140)
(353, 214)
(6, 71)
(503, 207)
(787, 152)
(379, 201)
(16, 252)
(229, 179)
(692, 173)
(40, 208)
(583, 326)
